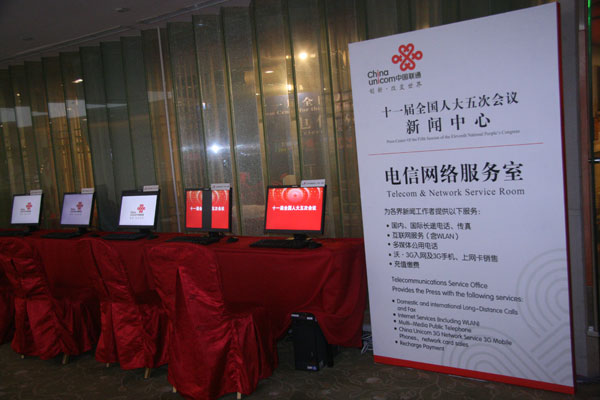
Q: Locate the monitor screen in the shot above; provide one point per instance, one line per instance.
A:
(77, 209)
(26, 209)
(292, 209)
(138, 209)
(197, 201)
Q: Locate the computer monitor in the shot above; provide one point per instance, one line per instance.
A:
(199, 201)
(77, 210)
(138, 210)
(296, 210)
(26, 210)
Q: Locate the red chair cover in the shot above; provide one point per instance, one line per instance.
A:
(7, 309)
(216, 348)
(134, 329)
(45, 326)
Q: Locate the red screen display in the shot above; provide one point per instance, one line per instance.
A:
(193, 210)
(294, 209)
(220, 209)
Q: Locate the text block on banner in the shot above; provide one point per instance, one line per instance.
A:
(461, 176)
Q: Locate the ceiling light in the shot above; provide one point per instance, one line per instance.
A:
(303, 55)
(122, 9)
(269, 72)
(78, 80)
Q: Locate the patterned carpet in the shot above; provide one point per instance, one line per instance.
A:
(354, 376)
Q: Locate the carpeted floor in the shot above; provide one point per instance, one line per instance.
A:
(354, 376)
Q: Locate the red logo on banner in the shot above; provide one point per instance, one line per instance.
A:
(406, 57)
(28, 206)
(79, 206)
(141, 208)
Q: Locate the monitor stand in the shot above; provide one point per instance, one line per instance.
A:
(300, 237)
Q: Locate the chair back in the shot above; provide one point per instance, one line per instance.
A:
(107, 271)
(23, 268)
(199, 274)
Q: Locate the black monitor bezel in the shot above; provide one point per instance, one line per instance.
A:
(208, 229)
(39, 219)
(91, 212)
(295, 231)
(140, 193)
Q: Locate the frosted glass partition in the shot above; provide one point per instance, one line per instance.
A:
(245, 112)
(43, 143)
(99, 138)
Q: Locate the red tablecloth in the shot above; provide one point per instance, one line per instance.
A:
(329, 282)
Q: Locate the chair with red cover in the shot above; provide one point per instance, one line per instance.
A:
(45, 325)
(7, 309)
(216, 347)
(134, 326)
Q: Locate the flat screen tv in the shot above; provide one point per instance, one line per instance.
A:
(138, 210)
(26, 210)
(295, 210)
(208, 210)
(77, 210)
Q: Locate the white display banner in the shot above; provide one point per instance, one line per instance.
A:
(459, 141)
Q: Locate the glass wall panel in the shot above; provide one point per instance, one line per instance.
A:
(10, 135)
(343, 28)
(59, 130)
(314, 114)
(106, 200)
(382, 17)
(188, 104)
(43, 142)
(245, 111)
(213, 81)
(77, 119)
(139, 113)
(5, 195)
(277, 90)
(118, 118)
(164, 137)
(25, 128)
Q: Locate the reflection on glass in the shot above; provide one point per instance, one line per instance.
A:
(118, 117)
(77, 119)
(249, 148)
(343, 29)
(313, 90)
(24, 127)
(164, 138)
(278, 103)
(43, 142)
(213, 80)
(187, 104)
(10, 135)
(57, 113)
(97, 122)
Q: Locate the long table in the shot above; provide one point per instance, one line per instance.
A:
(329, 282)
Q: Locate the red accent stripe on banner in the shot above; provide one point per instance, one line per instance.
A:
(476, 374)
(458, 148)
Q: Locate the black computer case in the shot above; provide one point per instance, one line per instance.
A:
(311, 350)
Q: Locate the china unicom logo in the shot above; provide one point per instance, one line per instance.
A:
(407, 56)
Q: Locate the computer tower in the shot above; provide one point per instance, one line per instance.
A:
(311, 350)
